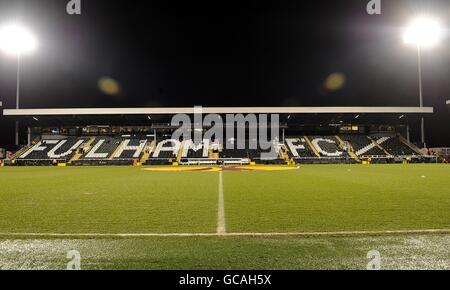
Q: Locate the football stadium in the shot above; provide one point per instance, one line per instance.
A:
(121, 183)
(338, 185)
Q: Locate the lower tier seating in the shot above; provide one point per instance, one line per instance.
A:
(397, 148)
(328, 146)
(52, 149)
(107, 150)
(363, 146)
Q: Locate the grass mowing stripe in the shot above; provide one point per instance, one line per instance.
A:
(339, 198)
(122, 200)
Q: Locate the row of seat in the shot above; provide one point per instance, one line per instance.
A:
(99, 148)
(294, 147)
(362, 145)
(396, 147)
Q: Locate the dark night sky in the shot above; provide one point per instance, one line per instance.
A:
(226, 53)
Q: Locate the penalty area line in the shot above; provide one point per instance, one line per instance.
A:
(292, 234)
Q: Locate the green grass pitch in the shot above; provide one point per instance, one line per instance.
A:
(95, 204)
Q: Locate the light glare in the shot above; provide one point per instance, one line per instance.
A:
(423, 32)
(15, 39)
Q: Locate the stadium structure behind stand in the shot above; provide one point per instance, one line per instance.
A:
(142, 136)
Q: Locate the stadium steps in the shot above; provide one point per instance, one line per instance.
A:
(78, 155)
(21, 151)
(75, 157)
(379, 146)
(312, 146)
(286, 158)
(350, 151)
(115, 150)
(410, 145)
(180, 151)
(146, 156)
(24, 149)
(212, 155)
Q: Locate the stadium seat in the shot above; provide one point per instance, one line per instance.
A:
(130, 149)
(102, 148)
(60, 150)
(396, 147)
(363, 146)
(327, 146)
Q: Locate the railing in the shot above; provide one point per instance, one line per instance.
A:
(377, 156)
(214, 161)
(323, 157)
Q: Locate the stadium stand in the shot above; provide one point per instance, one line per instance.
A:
(142, 136)
(127, 150)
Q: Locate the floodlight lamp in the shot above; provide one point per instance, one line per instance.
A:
(16, 40)
(423, 32)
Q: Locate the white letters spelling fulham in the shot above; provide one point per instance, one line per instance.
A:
(125, 147)
(93, 153)
(293, 148)
(174, 147)
(190, 145)
(52, 153)
(316, 142)
(39, 147)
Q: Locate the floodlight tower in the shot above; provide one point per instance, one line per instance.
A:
(16, 40)
(422, 32)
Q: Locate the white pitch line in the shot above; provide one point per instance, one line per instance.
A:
(300, 234)
(221, 229)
